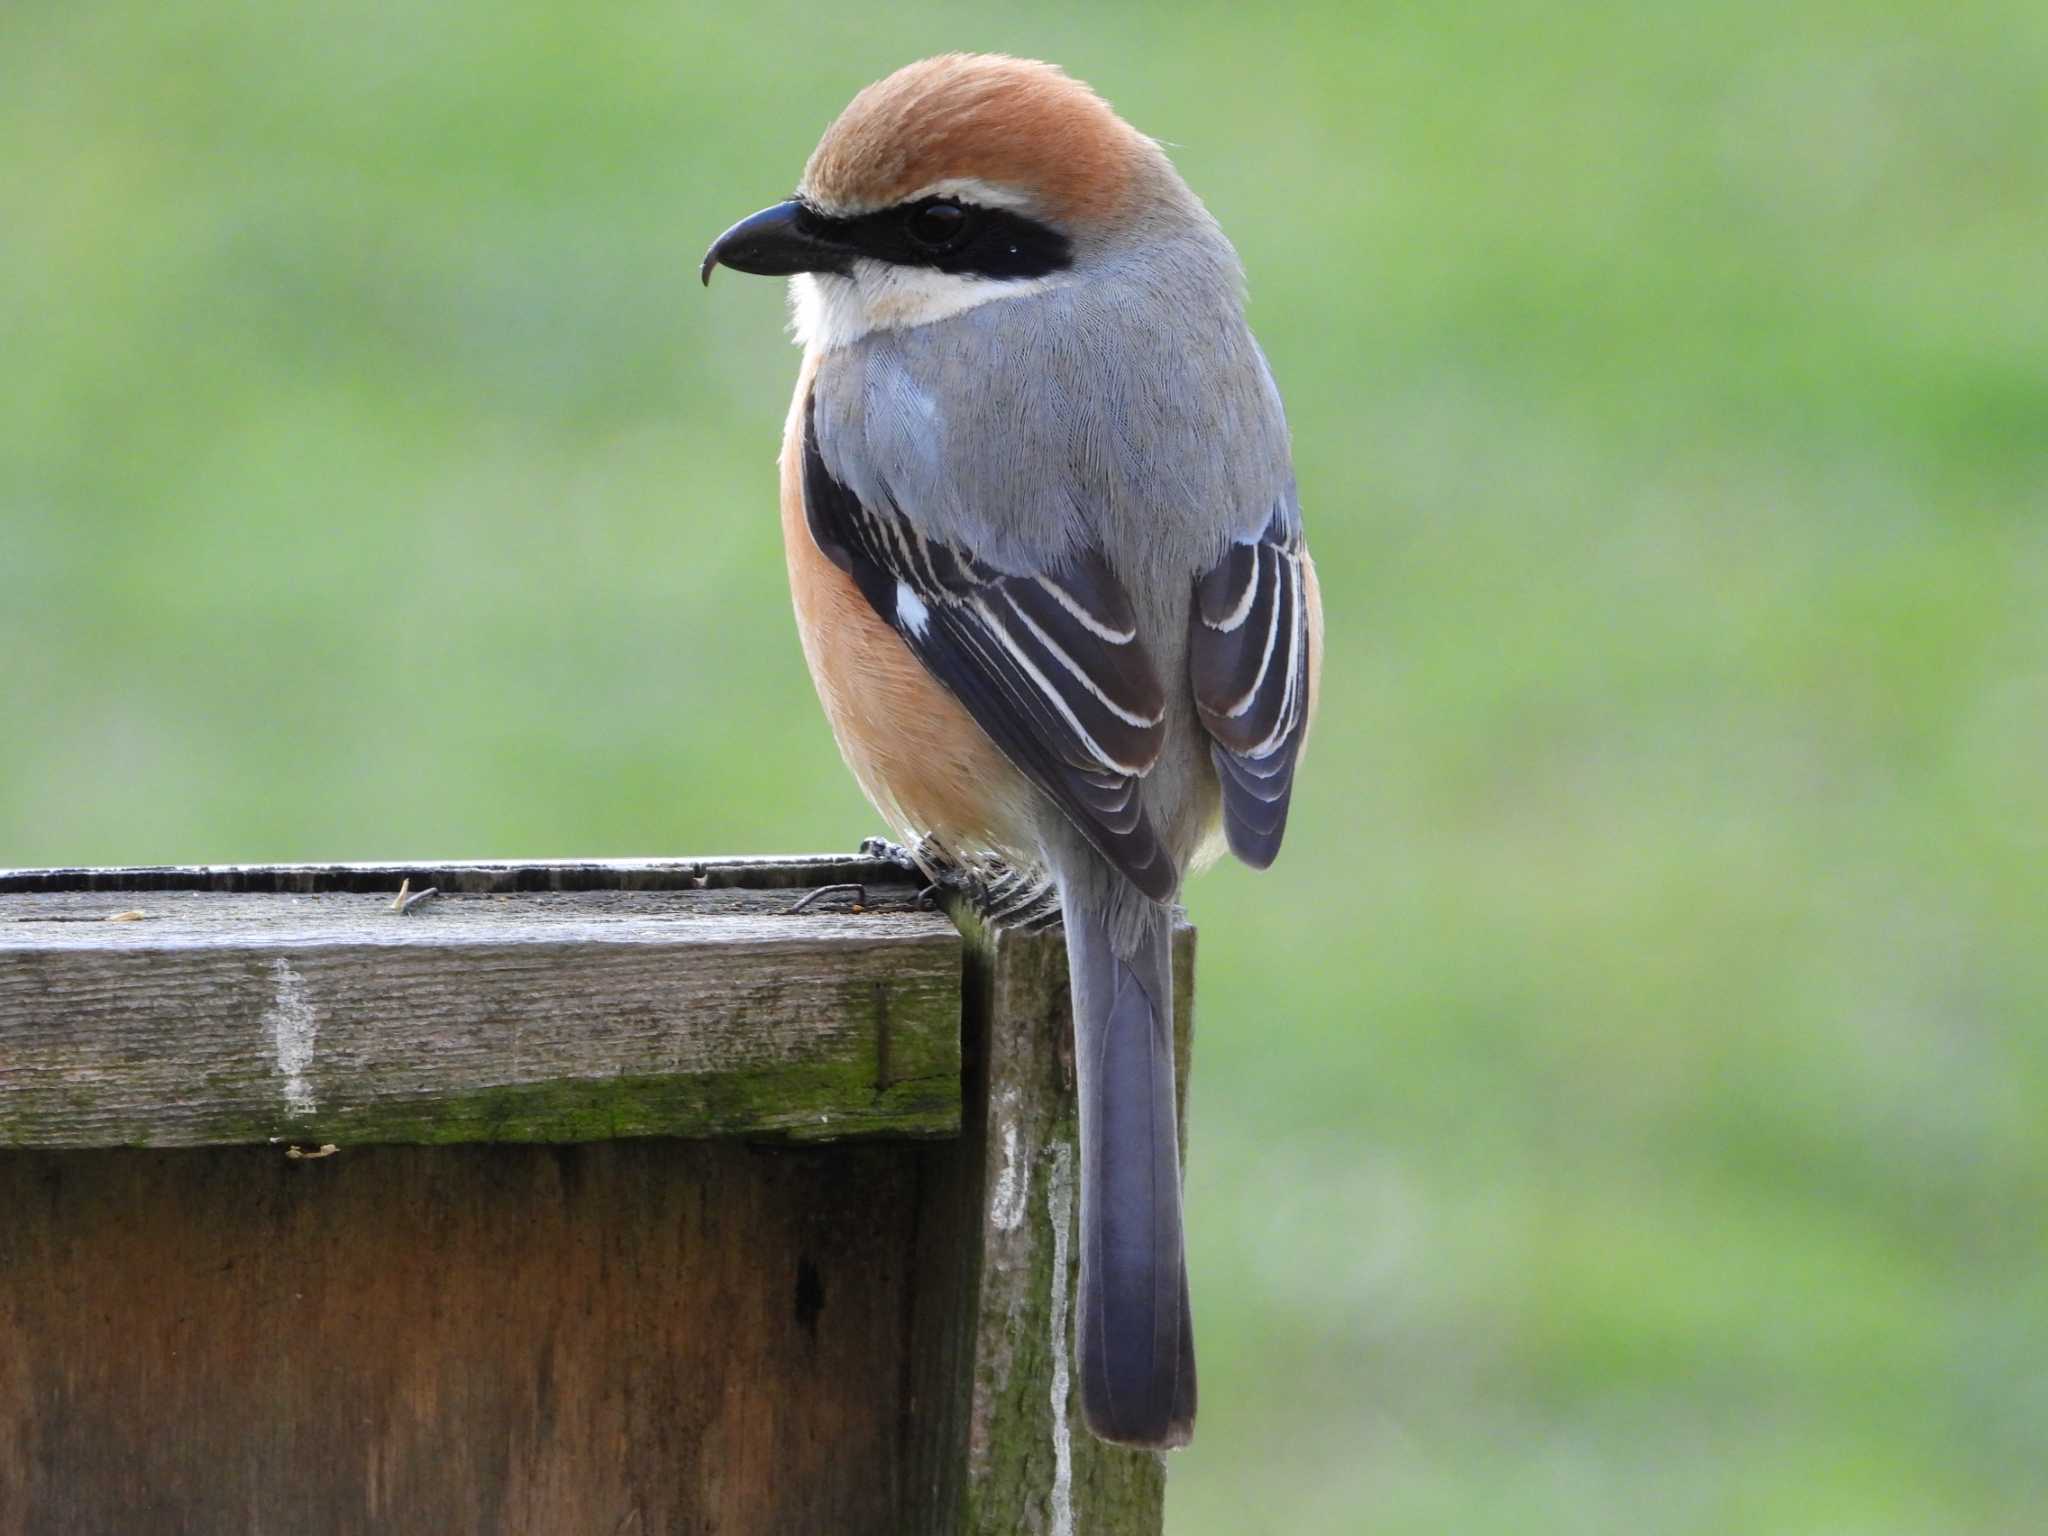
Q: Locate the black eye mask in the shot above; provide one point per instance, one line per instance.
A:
(947, 235)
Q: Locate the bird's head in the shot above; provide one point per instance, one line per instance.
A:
(955, 181)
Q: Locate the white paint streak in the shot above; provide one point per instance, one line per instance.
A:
(1013, 1184)
(292, 1030)
(1059, 1200)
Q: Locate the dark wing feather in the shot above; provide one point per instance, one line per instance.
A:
(1048, 663)
(1248, 658)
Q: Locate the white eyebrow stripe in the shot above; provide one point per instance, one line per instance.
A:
(968, 189)
(1143, 722)
(972, 189)
(1083, 617)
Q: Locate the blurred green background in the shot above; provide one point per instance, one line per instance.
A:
(1625, 1108)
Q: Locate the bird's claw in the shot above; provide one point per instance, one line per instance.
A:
(928, 859)
(997, 890)
(886, 852)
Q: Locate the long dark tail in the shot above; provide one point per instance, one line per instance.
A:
(1137, 1341)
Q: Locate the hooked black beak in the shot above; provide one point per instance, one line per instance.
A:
(776, 242)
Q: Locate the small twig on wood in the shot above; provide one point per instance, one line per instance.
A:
(407, 898)
(87, 917)
(860, 896)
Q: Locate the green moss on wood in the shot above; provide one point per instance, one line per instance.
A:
(799, 1102)
(1016, 1456)
(892, 1068)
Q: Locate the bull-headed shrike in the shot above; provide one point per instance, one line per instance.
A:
(1047, 559)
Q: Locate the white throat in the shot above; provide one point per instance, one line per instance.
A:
(827, 310)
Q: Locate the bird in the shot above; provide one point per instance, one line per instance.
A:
(1045, 549)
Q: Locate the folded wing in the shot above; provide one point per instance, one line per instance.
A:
(1248, 659)
(1049, 663)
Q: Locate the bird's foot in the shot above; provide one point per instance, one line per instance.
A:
(928, 859)
(881, 848)
(997, 890)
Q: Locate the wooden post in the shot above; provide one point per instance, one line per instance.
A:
(581, 1198)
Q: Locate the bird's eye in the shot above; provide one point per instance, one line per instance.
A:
(936, 224)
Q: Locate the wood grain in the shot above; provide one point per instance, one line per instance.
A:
(524, 1004)
(620, 1338)
(634, 1337)
(1002, 1447)
(1027, 1447)
(476, 876)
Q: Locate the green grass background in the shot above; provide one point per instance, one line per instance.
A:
(1625, 1108)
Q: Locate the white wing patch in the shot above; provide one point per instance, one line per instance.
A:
(911, 611)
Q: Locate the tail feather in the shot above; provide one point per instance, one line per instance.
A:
(1137, 1346)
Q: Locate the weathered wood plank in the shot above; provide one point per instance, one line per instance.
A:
(654, 1335)
(1002, 1447)
(609, 1340)
(476, 876)
(527, 1003)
